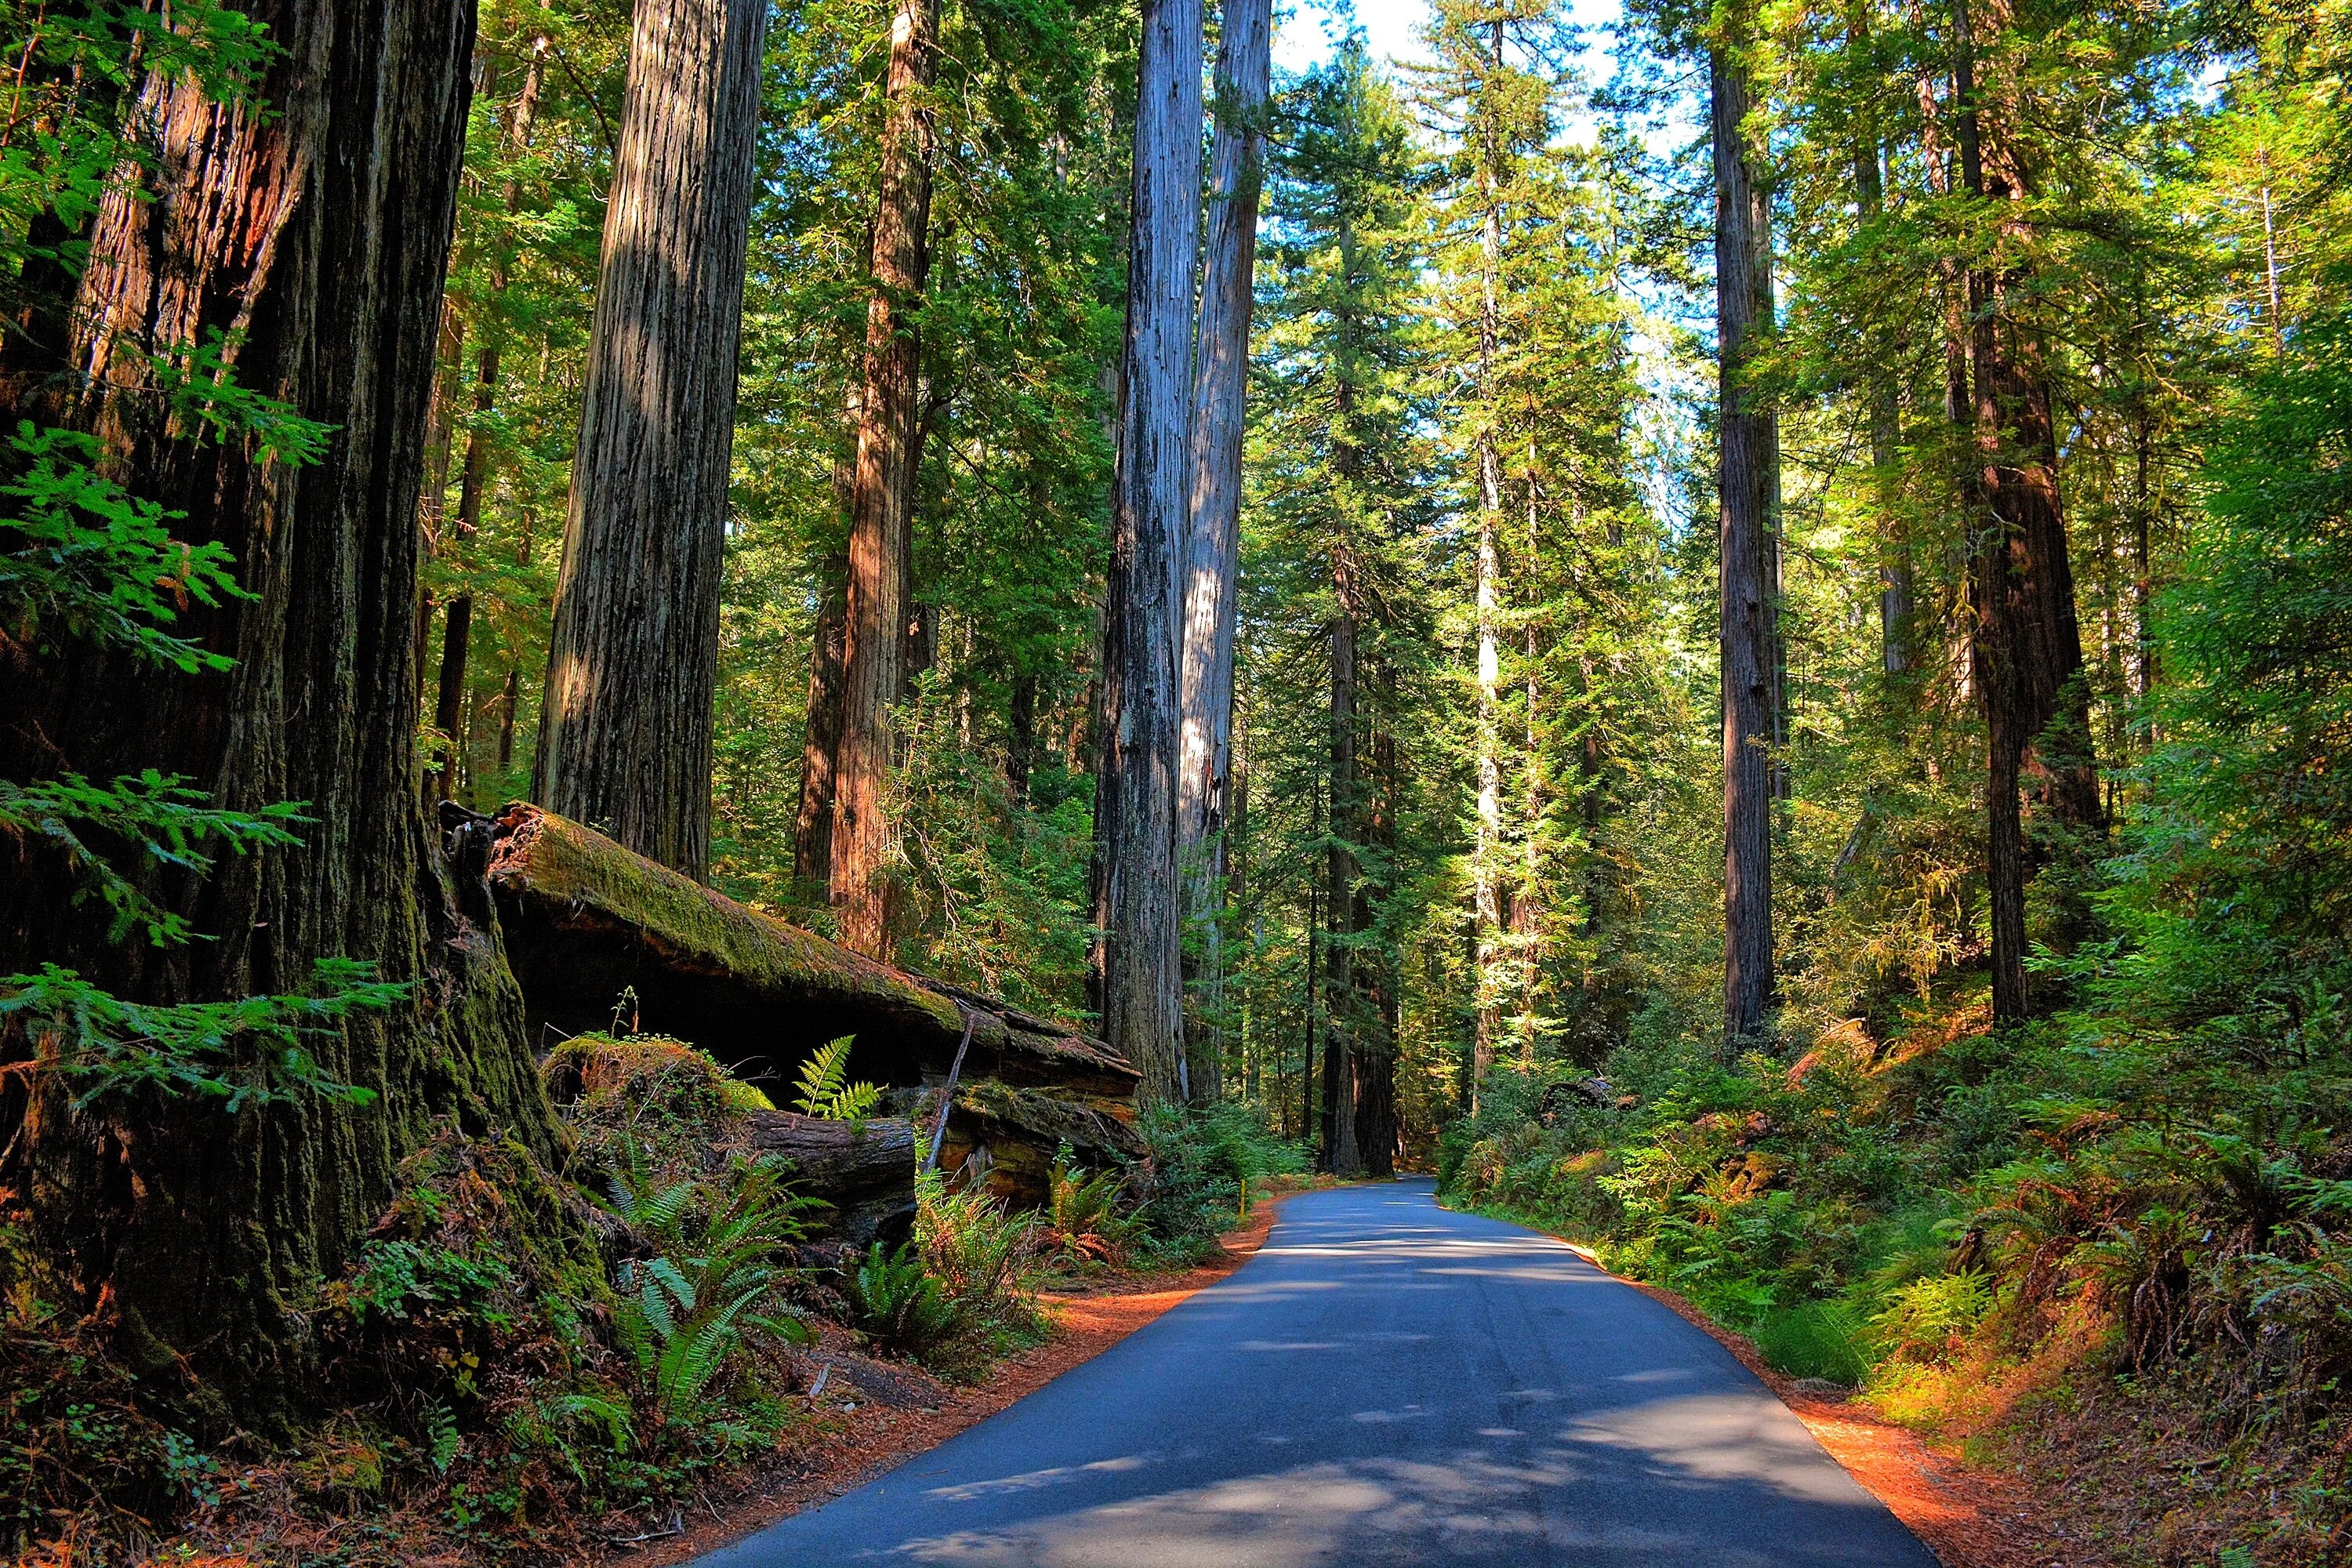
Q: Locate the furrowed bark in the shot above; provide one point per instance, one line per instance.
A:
(1142, 989)
(1212, 537)
(2026, 647)
(874, 648)
(322, 231)
(632, 672)
(1744, 489)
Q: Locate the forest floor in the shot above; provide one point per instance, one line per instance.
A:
(875, 1416)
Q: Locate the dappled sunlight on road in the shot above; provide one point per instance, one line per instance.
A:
(1384, 1385)
(1479, 1508)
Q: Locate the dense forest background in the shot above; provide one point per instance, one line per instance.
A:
(1792, 698)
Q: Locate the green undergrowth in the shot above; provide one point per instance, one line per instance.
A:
(518, 1360)
(1201, 1160)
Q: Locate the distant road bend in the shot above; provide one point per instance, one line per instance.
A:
(1386, 1383)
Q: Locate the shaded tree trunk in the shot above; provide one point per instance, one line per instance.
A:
(322, 230)
(1744, 488)
(510, 698)
(450, 702)
(1212, 536)
(2026, 647)
(821, 742)
(1021, 736)
(882, 491)
(632, 670)
(1344, 1008)
(1377, 977)
(1134, 797)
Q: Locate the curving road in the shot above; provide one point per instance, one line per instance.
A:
(1386, 1383)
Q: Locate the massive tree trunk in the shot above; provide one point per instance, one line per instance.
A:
(2026, 648)
(1134, 797)
(633, 664)
(1744, 488)
(882, 491)
(1212, 537)
(321, 232)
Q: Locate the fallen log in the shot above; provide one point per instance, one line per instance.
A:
(865, 1171)
(584, 920)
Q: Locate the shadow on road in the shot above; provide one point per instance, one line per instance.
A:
(1385, 1384)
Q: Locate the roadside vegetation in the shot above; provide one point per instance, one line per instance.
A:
(529, 1364)
(2113, 1247)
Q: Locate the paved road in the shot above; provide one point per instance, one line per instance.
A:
(1384, 1383)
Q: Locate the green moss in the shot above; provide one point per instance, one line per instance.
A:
(560, 861)
(665, 1099)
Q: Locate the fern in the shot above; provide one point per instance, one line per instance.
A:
(685, 1312)
(447, 1443)
(824, 1091)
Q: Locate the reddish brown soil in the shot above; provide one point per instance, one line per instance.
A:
(845, 1449)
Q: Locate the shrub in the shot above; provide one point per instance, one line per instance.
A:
(983, 1256)
(897, 1303)
(1814, 1339)
(1200, 1159)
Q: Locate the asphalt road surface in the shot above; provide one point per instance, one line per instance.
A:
(1385, 1383)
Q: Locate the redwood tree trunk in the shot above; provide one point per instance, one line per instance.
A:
(322, 230)
(1377, 976)
(450, 702)
(1212, 538)
(1135, 809)
(2026, 648)
(1744, 488)
(1487, 848)
(813, 829)
(632, 669)
(882, 492)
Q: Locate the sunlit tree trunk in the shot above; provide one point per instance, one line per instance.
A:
(882, 491)
(1487, 848)
(1884, 413)
(1135, 803)
(626, 725)
(1213, 535)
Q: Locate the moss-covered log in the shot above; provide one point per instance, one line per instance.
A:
(585, 918)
